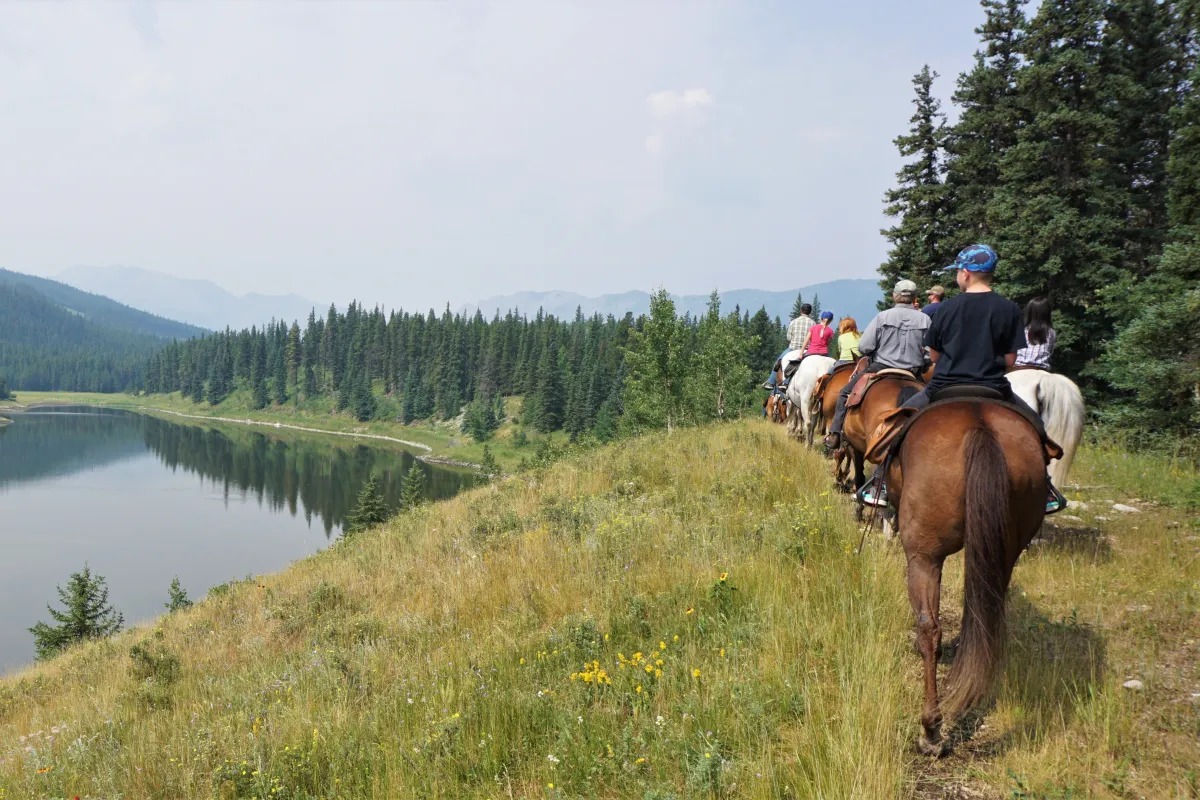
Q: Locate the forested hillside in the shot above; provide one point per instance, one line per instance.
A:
(101, 310)
(1076, 155)
(414, 366)
(46, 347)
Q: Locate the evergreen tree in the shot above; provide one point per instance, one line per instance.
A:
(480, 420)
(655, 390)
(797, 307)
(5, 394)
(369, 510)
(292, 355)
(279, 377)
(816, 304)
(770, 341)
(412, 493)
(921, 241)
(488, 468)
(87, 615)
(992, 115)
(548, 396)
(1056, 213)
(177, 599)
(364, 399)
(258, 372)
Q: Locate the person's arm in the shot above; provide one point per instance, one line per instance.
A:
(868, 343)
(1009, 360)
(934, 355)
(807, 339)
(1016, 336)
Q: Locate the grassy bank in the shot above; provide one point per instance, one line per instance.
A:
(555, 635)
(671, 617)
(444, 440)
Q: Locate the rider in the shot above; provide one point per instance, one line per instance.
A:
(797, 330)
(893, 340)
(975, 337)
(1039, 336)
(816, 342)
(847, 342)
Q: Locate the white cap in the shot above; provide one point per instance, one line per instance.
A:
(905, 287)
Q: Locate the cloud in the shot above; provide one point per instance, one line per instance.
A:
(670, 108)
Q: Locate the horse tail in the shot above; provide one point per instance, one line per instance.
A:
(1060, 403)
(986, 571)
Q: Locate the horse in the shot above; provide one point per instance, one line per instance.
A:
(968, 475)
(884, 396)
(1059, 402)
(799, 395)
(824, 407)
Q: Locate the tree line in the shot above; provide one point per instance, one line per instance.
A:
(407, 366)
(1076, 155)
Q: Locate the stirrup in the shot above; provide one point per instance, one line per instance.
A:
(1057, 501)
(832, 440)
(867, 496)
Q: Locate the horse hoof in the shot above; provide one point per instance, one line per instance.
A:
(936, 749)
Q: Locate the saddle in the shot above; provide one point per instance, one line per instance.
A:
(884, 442)
(1019, 367)
(863, 383)
(823, 382)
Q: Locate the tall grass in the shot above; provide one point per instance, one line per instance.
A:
(678, 616)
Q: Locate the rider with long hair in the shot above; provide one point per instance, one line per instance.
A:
(1039, 336)
(847, 342)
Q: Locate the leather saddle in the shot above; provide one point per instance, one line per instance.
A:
(864, 383)
(888, 435)
(823, 381)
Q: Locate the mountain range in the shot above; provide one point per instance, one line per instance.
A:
(847, 297)
(198, 302)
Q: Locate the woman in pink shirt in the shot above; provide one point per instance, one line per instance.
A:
(819, 336)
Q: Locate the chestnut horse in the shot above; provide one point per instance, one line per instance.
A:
(969, 475)
(824, 407)
(885, 395)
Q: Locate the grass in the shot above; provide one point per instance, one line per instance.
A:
(497, 644)
(445, 440)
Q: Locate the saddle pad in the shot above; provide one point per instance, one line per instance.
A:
(865, 382)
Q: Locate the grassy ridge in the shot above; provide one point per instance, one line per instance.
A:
(494, 645)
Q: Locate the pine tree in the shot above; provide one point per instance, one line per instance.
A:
(279, 376)
(1056, 214)
(549, 400)
(797, 307)
(87, 615)
(5, 394)
(920, 242)
(258, 372)
(992, 115)
(364, 399)
(369, 510)
(488, 468)
(292, 355)
(177, 599)
(816, 304)
(770, 341)
(655, 390)
(412, 493)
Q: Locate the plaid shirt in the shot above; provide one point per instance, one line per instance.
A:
(1036, 355)
(798, 329)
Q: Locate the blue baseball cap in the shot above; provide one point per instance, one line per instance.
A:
(975, 258)
(826, 315)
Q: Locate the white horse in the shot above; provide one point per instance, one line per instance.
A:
(1059, 402)
(799, 395)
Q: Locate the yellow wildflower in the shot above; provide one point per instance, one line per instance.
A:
(695, 673)
(676, 637)
(522, 660)
(640, 761)
(724, 575)
(662, 645)
(722, 652)
(639, 689)
(690, 611)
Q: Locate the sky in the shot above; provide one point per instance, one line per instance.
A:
(418, 153)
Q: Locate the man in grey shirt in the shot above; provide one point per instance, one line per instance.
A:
(893, 340)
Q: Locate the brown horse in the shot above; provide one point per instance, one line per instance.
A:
(882, 397)
(968, 474)
(777, 408)
(825, 405)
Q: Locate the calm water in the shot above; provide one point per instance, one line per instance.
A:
(141, 500)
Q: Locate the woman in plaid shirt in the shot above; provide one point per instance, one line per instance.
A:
(1039, 336)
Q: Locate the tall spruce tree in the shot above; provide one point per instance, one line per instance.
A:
(412, 492)
(1056, 214)
(549, 402)
(992, 115)
(796, 306)
(921, 242)
(86, 615)
(370, 509)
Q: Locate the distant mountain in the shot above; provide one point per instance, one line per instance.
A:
(198, 302)
(100, 310)
(849, 297)
(45, 346)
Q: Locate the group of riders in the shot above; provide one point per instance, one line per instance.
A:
(975, 338)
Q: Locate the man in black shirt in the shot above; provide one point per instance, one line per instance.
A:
(974, 338)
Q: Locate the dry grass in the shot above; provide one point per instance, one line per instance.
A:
(434, 658)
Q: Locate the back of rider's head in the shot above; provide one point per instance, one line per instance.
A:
(904, 292)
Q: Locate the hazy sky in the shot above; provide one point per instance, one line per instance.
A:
(415, 153)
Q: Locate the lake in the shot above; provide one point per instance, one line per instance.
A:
(141, 500)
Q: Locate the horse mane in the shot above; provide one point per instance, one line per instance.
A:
(1060, 403)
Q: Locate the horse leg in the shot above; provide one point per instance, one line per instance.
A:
(859, 480)
(924, 592)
